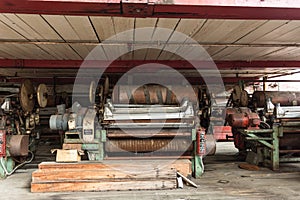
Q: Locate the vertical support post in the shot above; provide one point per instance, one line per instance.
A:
(101, 144)
(264, 83)
(199, 150)
(241, 84)
(275, 150)
(197, 166)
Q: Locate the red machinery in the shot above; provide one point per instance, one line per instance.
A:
(270, 132)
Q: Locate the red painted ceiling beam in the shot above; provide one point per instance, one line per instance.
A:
(113, 80)
(213, 9)
(121, 66)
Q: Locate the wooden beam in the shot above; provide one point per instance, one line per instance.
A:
(213, 9)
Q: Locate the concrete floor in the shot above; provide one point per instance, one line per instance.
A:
(223, 179)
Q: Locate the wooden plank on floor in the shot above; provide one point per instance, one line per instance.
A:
(182, 165)
(110, 174)
(103, 186)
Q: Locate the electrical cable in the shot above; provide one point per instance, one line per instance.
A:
(18, 166)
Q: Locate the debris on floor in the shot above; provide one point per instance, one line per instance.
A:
(249, 167)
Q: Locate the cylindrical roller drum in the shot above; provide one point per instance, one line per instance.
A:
(18, 145)
(148, 145)
(147, 133)
(259, 98)
(153, 94)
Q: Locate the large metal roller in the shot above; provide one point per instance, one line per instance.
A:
(153, 94)
(148, 145)
(18, 145)
(259, 98)
(147, 133)
(27, 96)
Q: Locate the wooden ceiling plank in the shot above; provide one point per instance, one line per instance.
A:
(287, 53)
(288, 33)
(188, 27)
(62, 26)
(14, 50)
(224, 53)
(83, 50)
(139, 54)
(247, 53)
(262, 30)
(152, 54)
(40, 26)
(212, 50)
(7, 33)
(28, 51)
(209, 31)
(165, 55)
(105, 29)
(143, 35)
(158, 36)
(33, 51)
(52, 52)
(62, 51)
(124, 29)
(83, 28)
(264, 52)
(19, 26)
(5, 55)
(103, 26)
(240, 29)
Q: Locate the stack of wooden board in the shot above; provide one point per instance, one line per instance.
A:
(104, 176)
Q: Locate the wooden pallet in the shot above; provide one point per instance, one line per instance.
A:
(105, 176)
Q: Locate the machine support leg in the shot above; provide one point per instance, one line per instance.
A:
(275, 150)
(7, 165)
(199, 151)
(198, 167)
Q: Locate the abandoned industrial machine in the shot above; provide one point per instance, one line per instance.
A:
(266, 127)
(19, 116)
(136, 123)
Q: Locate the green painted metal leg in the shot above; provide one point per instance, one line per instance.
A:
(2, 172)
(198, 167)
(275, 150)
(9, 164)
